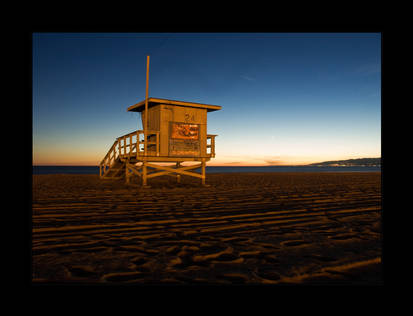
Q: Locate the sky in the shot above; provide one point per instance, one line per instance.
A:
(287, 98)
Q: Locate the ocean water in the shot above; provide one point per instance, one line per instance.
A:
(210, 169)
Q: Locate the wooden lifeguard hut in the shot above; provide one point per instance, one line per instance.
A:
(174, 132)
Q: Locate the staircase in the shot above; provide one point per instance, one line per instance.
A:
(115, 171)
(111, 166)
(126, 150)
(114, 164)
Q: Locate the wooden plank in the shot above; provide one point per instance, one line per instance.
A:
(179, 171)
(161, 173)
(178, 176)
(203, 172)
(134, 169)
(144, 173)
(124, 145)
(157, 144)
(109, 152)
(138, 107)
(131, 150)
(118, 170)
(127, 175)
(170, 173)
(149, 143)
(130, 145)
(166, 159)
(181, 168)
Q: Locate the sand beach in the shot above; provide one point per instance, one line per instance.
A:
(246, 228)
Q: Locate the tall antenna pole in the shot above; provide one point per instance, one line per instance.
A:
(145, 128)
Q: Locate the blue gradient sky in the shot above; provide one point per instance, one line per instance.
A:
(286, 98)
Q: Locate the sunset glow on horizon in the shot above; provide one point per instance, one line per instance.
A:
(287, 99)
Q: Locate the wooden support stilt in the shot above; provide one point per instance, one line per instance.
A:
(134, 169)
(127, 174)
(203, 171)
(144, 173)
(178, 176)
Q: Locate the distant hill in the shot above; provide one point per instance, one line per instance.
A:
(370, 162)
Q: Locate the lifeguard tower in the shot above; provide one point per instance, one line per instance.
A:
(174, 132)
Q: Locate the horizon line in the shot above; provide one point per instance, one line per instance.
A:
(224, 165)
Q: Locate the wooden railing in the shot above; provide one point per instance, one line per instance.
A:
(109, 159)
(211, 145)
(128, 146)
(152, 143)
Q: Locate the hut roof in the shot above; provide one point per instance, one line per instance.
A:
(139, 107)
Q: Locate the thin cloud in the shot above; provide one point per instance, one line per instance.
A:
(245, 77)
(273, 162)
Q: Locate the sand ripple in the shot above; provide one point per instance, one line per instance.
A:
(271, 228)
